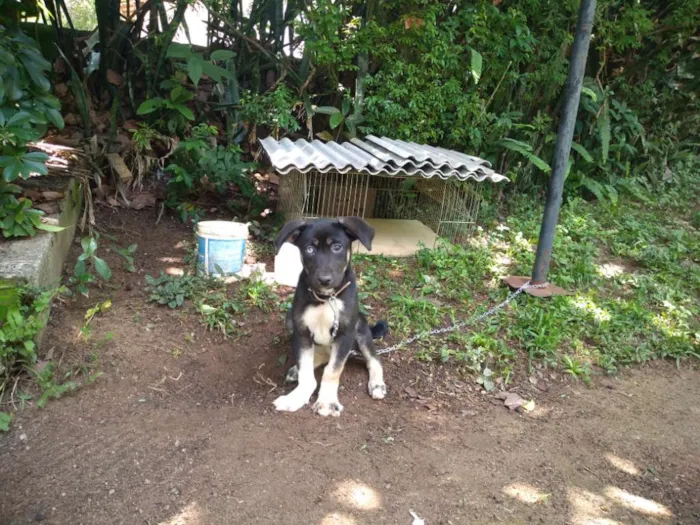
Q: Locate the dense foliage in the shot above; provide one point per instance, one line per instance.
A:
(484, 76)
(26, 109)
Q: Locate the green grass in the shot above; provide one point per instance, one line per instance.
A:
(632, 269)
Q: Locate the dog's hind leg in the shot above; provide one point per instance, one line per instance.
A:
(375, 385)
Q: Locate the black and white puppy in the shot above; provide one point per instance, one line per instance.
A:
(325, 322)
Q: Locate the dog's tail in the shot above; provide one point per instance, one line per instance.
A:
(379, 330)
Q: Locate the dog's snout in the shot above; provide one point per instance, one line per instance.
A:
(325, 280)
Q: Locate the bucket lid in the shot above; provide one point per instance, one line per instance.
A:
(223, 229)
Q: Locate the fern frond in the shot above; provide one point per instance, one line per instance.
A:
(582, 151)
(604, 130)
(526, 151)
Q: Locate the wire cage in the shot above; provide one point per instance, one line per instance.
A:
(448, 207)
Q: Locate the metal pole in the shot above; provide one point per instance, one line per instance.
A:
(562, 149)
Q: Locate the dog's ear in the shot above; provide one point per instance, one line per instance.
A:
(289, 231)
(358, 229)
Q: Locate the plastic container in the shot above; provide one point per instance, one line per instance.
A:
(221, 247)
(288, 265)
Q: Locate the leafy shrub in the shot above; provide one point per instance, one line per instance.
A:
(22, 317)
(26, 109)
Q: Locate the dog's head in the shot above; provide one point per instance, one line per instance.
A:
(325, 247)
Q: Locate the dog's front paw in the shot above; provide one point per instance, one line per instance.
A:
(376, 390)
(291, 402)
(325, 409)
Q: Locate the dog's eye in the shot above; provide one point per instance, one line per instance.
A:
(310, 249)
(336, 247)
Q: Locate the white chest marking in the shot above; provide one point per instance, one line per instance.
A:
(319, 320)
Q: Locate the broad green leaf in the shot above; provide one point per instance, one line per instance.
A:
(185, 112)
(36, 156)
(36, 73)
(222, 54)
(149, 106)
(216, 73)
(179, 51)
(102, 268)
(34, 167)
(19, 119)
(476, 65)
(326, 110)
(55, 118)
(5, 419)
(336, 120)
(50, 227)
(194, 69)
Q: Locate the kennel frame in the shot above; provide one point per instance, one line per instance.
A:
(449, 208)
(383, 179)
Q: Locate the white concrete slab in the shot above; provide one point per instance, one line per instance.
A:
(398, 237)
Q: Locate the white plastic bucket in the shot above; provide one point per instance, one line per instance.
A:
(221, 247)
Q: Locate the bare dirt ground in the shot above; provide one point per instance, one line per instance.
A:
(180, 431)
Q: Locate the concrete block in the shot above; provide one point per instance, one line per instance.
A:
(38, 261)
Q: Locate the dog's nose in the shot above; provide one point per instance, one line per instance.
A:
(324, 280)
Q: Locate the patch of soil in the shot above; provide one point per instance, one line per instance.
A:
(180, 430)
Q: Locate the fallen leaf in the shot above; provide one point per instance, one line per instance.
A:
(529, 406)
(114, 78)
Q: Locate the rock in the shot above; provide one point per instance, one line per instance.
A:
(514, 401)
(52, 195)
(49, 208)
(143, 200)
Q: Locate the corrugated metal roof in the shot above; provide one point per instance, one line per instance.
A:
(376, 155)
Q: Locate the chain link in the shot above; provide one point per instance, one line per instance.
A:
(457, 326)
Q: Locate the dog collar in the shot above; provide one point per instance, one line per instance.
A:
(331, 300)
(333, 295)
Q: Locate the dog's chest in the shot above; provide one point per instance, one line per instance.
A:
(319, 319)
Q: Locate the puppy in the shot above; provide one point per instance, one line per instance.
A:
(325, 322)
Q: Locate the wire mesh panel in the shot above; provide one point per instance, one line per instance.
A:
(459, 212)
(449, 208)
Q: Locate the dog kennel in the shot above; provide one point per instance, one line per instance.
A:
(411, 194)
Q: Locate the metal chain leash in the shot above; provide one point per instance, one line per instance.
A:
(457, 326)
